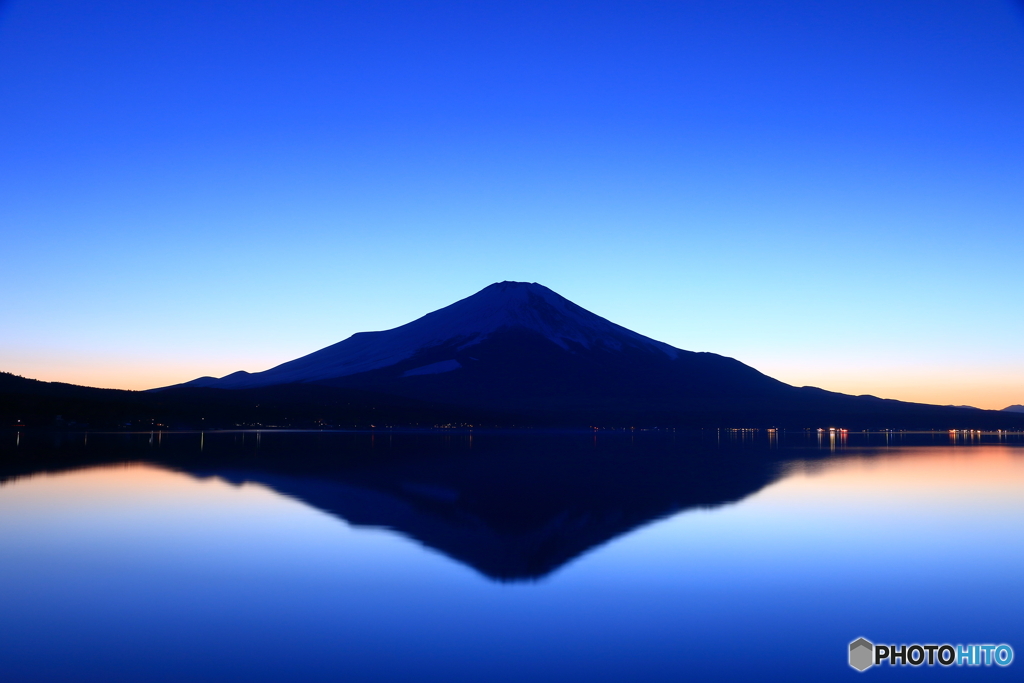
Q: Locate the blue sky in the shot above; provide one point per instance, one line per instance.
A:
(832, 192)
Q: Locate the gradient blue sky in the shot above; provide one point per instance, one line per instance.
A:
(832, 192)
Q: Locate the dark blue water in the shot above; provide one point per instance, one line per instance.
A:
(491, 557)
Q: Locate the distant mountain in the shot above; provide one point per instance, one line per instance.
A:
(450, 339)
(31, 403)
(513, 355)
(520, 349)
(1016, 408)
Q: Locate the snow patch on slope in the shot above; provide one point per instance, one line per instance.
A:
(434, 368)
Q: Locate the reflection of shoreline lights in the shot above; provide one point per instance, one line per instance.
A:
(972, 434)
(832, 432)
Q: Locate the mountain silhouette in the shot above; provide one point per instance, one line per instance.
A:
(519, 349)
(450, 338)
(512, 355)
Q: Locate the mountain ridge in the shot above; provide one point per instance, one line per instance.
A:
(463, 324)
(514, 355)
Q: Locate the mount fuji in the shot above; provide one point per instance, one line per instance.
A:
(516, 346)
(449, 339)
(520, 349)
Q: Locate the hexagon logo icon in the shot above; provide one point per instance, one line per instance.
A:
(861, 654)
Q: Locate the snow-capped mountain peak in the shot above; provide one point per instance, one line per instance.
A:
(463, 324)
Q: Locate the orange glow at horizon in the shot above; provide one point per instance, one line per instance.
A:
(134, 374)
(978, 386)
(990, 388)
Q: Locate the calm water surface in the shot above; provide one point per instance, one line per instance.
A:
(551, 557)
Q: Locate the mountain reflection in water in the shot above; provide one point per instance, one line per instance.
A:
(512, 507)
(285, 556)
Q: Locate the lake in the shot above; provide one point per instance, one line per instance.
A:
(459, 556)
